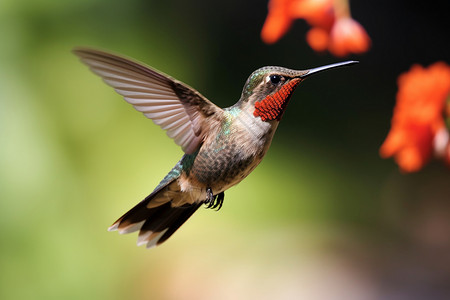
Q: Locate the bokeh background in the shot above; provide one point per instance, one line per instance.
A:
(323, 216)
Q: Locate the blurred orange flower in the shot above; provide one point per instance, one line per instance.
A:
(418, 126)
(332, 26)
(347, 36)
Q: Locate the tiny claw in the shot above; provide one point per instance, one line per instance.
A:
(214, 201)
(219, 203)
(211, 203)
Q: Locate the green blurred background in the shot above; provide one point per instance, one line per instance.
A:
(323, 217)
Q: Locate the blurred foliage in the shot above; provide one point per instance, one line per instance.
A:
(74, 157)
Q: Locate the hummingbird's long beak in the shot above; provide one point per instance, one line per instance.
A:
(327, 67)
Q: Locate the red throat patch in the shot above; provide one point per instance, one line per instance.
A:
(272, 107)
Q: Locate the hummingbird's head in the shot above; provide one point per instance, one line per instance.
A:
(269, 89)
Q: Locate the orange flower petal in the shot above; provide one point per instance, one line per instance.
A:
(274, 28)
(278, 21)
(418, 116)
(348, 36)
(422, 92)
(317, 38)
(318, 13)
(409, 160)
(393, 143)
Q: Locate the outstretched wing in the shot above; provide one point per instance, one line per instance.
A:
(169, 103)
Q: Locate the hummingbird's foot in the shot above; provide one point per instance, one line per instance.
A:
(219, 201)
(209, 198)
(214, 201)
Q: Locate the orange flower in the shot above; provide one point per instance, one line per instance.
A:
(418, 127)
(318, 13)
(333, 28)
(348, 36)
(278, 21)
(318, 39)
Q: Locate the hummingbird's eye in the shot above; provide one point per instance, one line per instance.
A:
(274, 79)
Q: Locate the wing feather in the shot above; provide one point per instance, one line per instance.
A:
(176, 107)
(174, 124)
(174, 113)
(178, 131)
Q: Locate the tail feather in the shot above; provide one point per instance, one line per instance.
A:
(184, 215)
(156, 223)
(162, 225)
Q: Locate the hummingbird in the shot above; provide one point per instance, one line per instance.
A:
(221, 146)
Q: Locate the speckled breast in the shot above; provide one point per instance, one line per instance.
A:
(224, 166)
